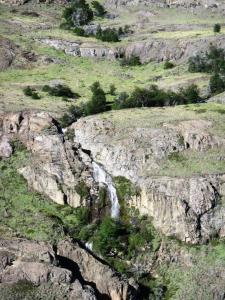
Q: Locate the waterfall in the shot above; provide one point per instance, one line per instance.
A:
(101, 176)
(89, 245)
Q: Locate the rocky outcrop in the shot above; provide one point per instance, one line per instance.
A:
(92, 270)
(57, 165)
(188, 208)
(82, 49)
(61, 167)
(64, 272)
(7, 53)
(179, 50)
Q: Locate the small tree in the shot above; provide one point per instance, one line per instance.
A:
(112, 89)
(78, 13)
(99, 9)
(168, 65)
(217, 28)
(189, 94)
(216, 84)
(107, 35)
(98, 102)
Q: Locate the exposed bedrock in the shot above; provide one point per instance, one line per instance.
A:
(179, 50)
(189, 208)
(83, 49)
(66, 271)
(57, 166)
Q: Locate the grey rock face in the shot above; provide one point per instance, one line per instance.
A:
(57, 165)
(37, 263)
(106, 280)
(188, 208)
(7, 53)
(179, 50)
(82, 50)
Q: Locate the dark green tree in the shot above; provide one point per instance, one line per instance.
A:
(78, 13)
(99, 9)
(216, 84)
(98, 102)
(189, 95)
(217, 28)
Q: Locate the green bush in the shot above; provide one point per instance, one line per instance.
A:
(131, 61)
(168, 65)
(212, 62)
(59, 90)
(154, 97)
(107, 35)
(78, 13)
(98, 103)
(99, 9)
(112, 89)
(79, 31)
(31, 92)
(73, 113)
(83, 190)
(216, 84)
(217, 28)
(107, 240)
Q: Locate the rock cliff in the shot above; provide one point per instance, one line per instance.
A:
(57, 165)
(64, 271)
(189, 207)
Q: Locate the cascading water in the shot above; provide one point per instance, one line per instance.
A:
(89, 245)
(101, 176)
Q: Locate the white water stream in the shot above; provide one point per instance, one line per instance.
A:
(101, 176)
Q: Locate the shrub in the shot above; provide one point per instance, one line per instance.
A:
(79, 31)
(99, 9)
(78, 13)
(217, 28)
(216, 84)
(58, 91)
(31, 92)
(107, 239)
(168, 65)
(189, 95)
(107, 35)
(98, 103)
(82, 189)
(28, 91)
(131, 61)
(73, 114)
(154, 97)
(212, 61)
(112, 89)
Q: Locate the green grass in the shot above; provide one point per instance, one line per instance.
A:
(80, 73)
